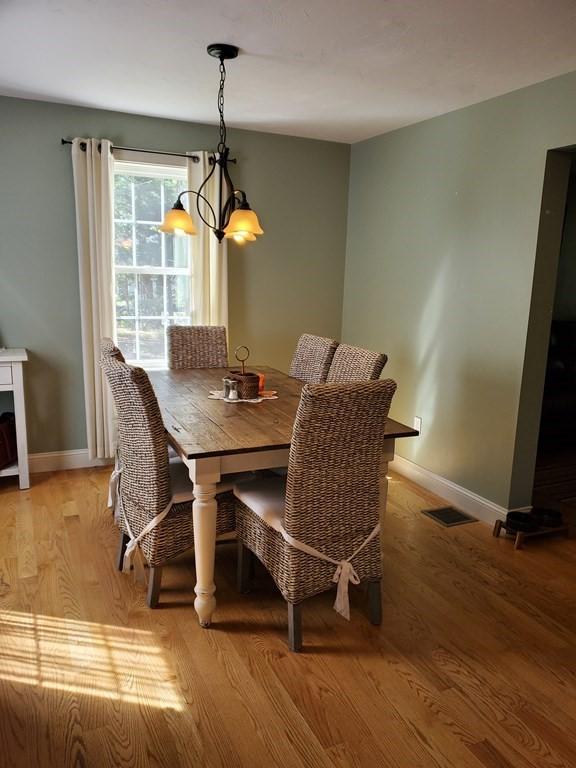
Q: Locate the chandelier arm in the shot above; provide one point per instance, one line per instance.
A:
(199, 195)
(227, 211)
(230, 203)
(214, 224)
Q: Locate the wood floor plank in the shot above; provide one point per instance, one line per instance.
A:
(26, 550)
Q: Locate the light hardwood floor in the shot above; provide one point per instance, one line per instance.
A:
(474, 664)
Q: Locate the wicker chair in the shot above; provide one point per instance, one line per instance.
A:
(109, 349)
(197, 346)
(326, 513)
(312, 358)
(355, 364)
(153, 493)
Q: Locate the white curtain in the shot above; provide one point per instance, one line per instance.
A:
(93, 168)
(209, 258)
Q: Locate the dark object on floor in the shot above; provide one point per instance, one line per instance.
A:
(449, 516)
(521, 521)
(511, 528)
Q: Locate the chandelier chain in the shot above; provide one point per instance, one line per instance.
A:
(222, 142)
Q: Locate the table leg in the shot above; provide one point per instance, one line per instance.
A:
(205, 475)
(387, 456)
(383, 487)
(204, 510)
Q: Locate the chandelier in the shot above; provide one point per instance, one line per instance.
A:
(234, 218)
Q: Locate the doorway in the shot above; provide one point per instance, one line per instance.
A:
(555, 471)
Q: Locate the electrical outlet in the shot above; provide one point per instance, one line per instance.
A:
(418, 423)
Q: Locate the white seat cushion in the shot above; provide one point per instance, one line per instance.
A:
(183, 489)
(265, 496)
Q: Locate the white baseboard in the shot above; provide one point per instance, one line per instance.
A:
(460, 497)
(52, 462)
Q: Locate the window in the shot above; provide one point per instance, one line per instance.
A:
(152, 271)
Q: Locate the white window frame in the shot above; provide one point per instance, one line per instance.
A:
(150, 166)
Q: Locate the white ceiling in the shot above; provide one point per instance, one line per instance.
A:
(330, 69)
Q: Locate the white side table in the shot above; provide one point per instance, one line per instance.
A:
(11, 380)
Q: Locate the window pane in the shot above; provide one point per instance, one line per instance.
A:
(151, 295)
(123, 197)
(147, 199)
(125, 295)
(138, 210)
(172, 188)
(178, 294)
(177, 250)
(148, 246)
(126, 334)
(123, 244)
(152, 340)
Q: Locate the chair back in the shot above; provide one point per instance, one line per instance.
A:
(145, 479)
(333, 484)
(355, 364)
(197, 346)
(312, 358)
(109, 349)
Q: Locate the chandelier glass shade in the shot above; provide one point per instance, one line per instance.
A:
(234, 219)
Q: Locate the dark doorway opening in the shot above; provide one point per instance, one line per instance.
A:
(555, 472)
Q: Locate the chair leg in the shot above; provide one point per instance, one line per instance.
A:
(124, 539)
(154, 581)
(244, 568)
(295, 627)
(375, 602)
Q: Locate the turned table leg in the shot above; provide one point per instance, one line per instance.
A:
(387, 456)
(204, 514)
(205, 474)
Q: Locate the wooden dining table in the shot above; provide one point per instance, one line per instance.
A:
(215, 438)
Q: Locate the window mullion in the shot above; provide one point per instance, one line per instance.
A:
(134, 262)
(162, 236)
(128, 270)
(133, 195)
(165, 314)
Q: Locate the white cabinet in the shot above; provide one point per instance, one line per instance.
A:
(12, 380)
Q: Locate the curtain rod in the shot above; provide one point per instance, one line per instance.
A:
(194, 158)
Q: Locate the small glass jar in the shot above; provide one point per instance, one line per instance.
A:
(233, 391)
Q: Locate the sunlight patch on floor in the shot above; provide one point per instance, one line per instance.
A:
(87, 658)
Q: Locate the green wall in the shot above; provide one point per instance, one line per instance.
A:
(442, 230)
(289, 282)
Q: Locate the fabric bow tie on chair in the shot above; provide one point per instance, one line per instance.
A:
(343, 575)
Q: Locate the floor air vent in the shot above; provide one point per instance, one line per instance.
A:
(449, 516)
